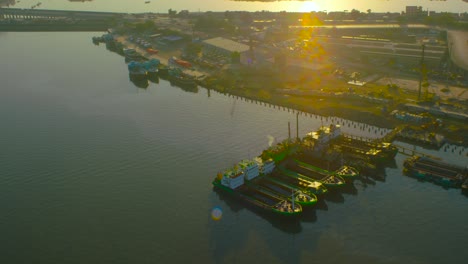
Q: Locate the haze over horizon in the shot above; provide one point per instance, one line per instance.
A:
(161, 6)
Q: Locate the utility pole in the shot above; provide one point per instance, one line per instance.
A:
(421, 72)
(297, 126)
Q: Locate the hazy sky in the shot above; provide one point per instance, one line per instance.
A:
(222, 5)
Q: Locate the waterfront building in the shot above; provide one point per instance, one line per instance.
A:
(224, 48)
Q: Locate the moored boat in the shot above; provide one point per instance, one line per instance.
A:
(310, 187)
(152, 67)
(347, 172)
(436, 171)
(388, 150)
(152, 51)
(132, 55)
(264, 185)
(232, 181)
(314, 173)
(97, 40)
(163, 70)
(177, 77)
(282, 150)
(136, 70)
(343, 171)
(140, 82)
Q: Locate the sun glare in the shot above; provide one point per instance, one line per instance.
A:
(308, 6)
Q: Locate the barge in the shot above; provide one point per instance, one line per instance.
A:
(263, 184)
(388, 150)
(252, 170)
(233, 181)
(311, 187)
(436, 171)
(329, 180)
(344, 171)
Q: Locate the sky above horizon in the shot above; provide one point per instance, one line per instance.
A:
(161, 6)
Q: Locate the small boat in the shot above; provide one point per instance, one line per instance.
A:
(152, 51)
(97, 40)
(152, 67)
(136, 70)
(139, 81)
(163, 70)
(177, 77)
(132, 55)
(179, 62)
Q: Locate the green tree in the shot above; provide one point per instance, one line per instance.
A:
(171, 12)
(355, 14)
(235, 57)
(193, 49)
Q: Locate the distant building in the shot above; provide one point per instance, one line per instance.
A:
(413, 10)
(224, 48)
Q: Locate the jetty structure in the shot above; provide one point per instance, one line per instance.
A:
(439, 172)
(17, 19)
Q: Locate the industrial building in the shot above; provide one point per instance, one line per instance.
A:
(224, 48)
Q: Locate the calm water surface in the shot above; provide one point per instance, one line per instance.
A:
(96, 170)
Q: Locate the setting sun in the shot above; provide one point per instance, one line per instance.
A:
(309, 7)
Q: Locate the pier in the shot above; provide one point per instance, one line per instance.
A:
(14, 19)
(30, 14)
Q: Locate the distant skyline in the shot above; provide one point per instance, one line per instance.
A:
(161, 6)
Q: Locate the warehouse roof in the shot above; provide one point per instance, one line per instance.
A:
(227, 44)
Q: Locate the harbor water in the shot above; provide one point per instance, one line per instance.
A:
(97, 170)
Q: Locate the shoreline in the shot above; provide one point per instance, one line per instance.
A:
(279, 99)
